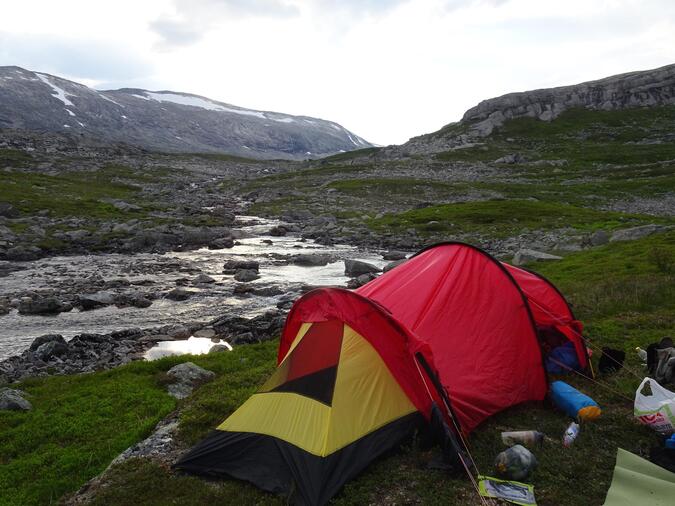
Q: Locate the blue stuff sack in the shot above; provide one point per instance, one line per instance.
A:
(577, 405)
(562, 359)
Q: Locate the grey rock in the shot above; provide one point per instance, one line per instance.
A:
(178, 294)
(232, 266)
(186, 377)
(8, 210)
(511, 159)
(599, 237)
(218, 348)
(203, 279)
(179, 332)
(361, 280)
(51, 349)
(355, 268)
(278, 231)
(222, 243)
(45, 305)
(246, 275)
(13, 400)
(311, 259)
(634, 233)
(524, 256)
(47, 338)
(96, 300)
(205, 332)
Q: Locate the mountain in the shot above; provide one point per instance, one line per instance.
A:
(163, 120)
(648, 88)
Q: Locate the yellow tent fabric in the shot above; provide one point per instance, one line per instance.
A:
(366, 397)
(638, 482)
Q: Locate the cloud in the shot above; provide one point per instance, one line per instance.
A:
(453, 5)
(92, 61)
(192, 19)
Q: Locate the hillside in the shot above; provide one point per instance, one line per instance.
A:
(163, 120)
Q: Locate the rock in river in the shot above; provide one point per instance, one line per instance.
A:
(355, 268)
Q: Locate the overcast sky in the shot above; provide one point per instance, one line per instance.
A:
(385, 69)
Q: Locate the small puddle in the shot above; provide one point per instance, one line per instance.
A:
(192, 346)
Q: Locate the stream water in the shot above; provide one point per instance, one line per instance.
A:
(145, 272)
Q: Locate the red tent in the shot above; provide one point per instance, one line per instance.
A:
(358, 370)
(474, 320)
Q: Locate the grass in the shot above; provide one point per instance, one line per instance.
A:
(500, 218)
(78, 425)
(624, 292)
(350, 155)
(77, 193)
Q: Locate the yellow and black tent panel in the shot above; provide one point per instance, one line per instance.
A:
(329, 409)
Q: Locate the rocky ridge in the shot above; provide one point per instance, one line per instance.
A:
(164, 121)
(648, 88)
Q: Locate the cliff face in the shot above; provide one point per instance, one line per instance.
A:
(634, 89)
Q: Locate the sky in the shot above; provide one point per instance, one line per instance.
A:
(387, 70)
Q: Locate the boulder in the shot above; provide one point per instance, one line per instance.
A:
(185, 378)
(278, 231)
(206, 332)
(244, 338)
(203, 279)
(512, 158)
(96, 300)
(51, 349)
(246, 275)
(138, 300)
(23, 254)
(394, 255)
(179, 332)
(311, 260)
(222, 243)
(232, 266)
(634, 233)
(47, 338)
(354, 268)
(524, 256)
(178, 294)
(8, 210)
(44, 305)
(13, 400)
(218, 348)
(360, 280)
(598, 238)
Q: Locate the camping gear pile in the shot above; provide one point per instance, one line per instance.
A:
(441, 342)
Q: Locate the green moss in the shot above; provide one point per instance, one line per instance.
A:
(350, 155)
(71, 193)
(77, 425)
(500, 218)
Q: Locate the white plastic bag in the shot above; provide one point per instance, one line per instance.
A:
(656, 410)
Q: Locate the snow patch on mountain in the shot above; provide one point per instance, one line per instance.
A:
(60, 94)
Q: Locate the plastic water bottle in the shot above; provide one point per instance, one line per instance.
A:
(570, 434)
(529, 438)
(641, 353)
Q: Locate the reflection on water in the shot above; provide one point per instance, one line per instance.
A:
(192, 346)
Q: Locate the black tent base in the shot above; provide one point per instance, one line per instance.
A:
(277, 466)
